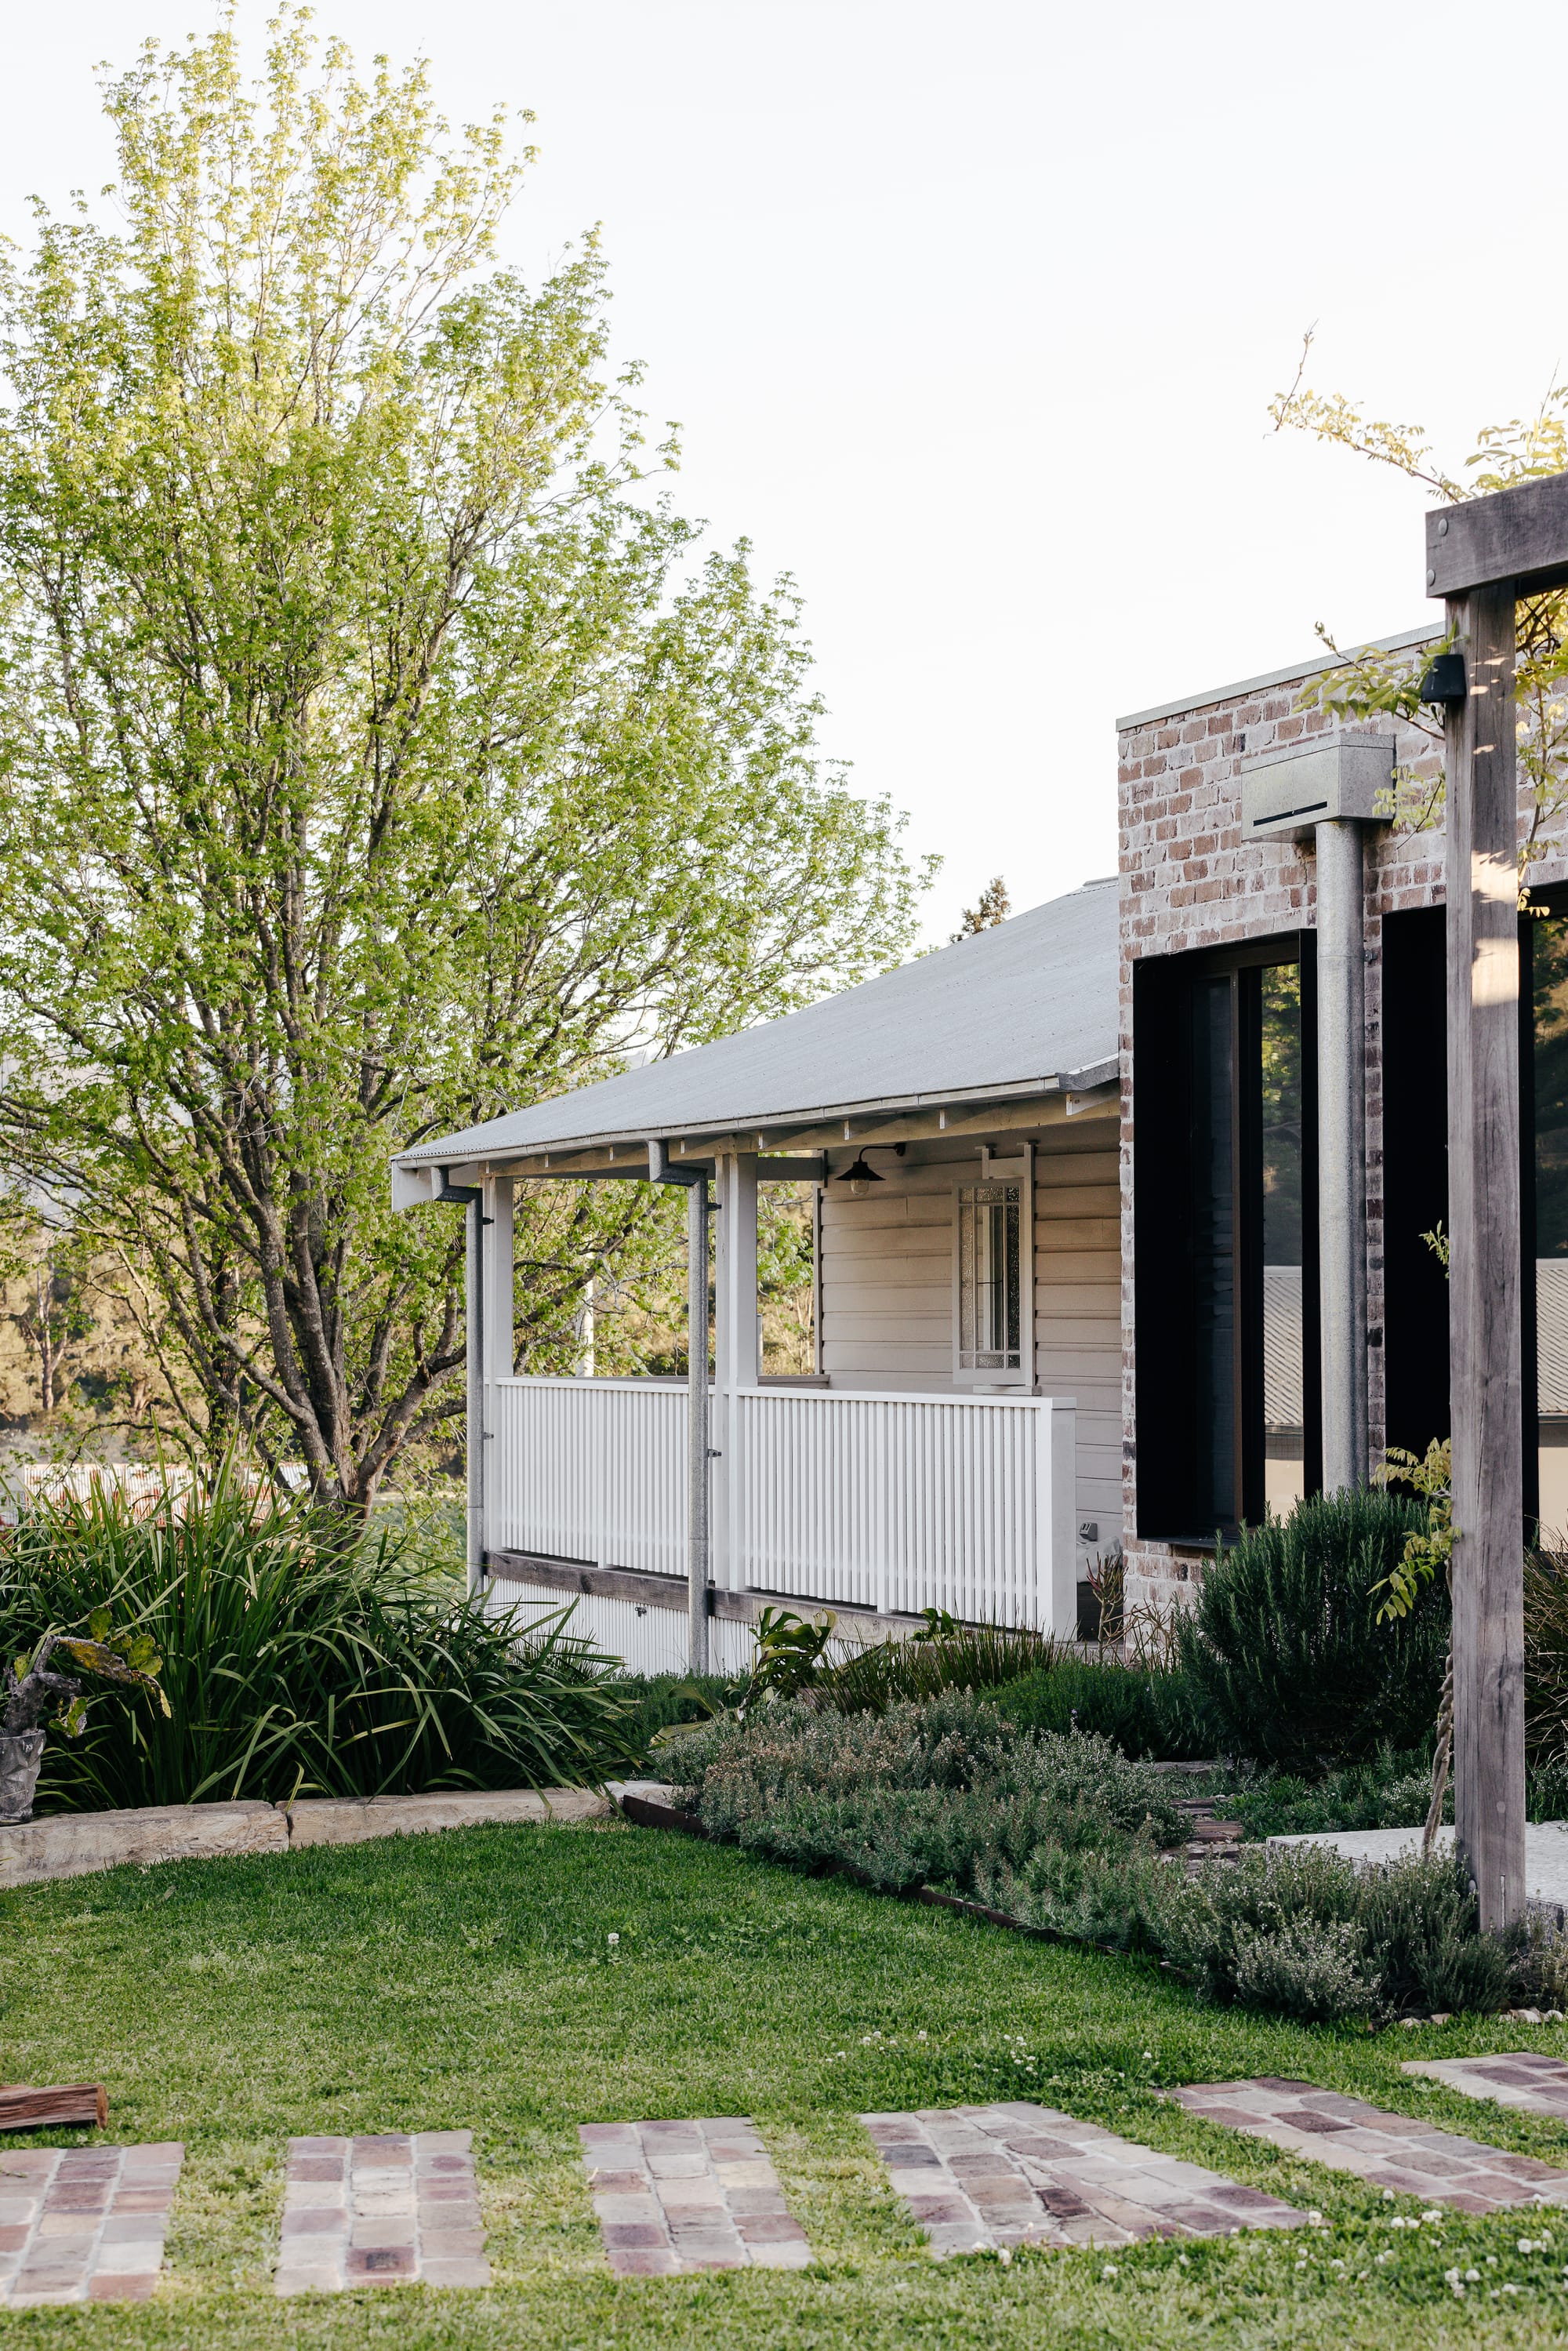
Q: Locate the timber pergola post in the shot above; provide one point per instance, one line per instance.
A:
(1481, 557)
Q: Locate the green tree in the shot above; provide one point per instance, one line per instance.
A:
(376, 755)
(993, 906)
(1382, 684)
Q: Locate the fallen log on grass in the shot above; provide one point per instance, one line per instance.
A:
(22, 2108)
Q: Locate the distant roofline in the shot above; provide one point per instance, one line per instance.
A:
(1313, 668)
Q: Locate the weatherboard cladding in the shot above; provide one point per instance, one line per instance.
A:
(1025, 1006)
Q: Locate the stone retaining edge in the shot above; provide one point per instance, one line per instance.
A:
(75, 1844)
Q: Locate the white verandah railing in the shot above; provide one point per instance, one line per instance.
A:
(890, 1502)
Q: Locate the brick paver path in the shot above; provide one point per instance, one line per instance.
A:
(1400, 2151)
(395, 2209)
(672, 2197)
(1520, 2079)
(84, 2223)
(978, 2177)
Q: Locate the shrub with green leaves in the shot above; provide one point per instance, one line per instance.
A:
(918, 1794)
(298, 1661)
(1065, 1833)
(660, 1702)
(1145, 1710)
(944, 1656)
(1301, 1928)
(1283, 1645)
(1391, 1791)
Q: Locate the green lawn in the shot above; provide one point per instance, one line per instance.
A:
(467, 1979)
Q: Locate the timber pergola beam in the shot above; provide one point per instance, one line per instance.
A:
(1483, 557)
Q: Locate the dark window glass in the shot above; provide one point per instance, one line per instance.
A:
(1213, 1230)
(1224, 1218)
(1548, 943)
(1279, 1122)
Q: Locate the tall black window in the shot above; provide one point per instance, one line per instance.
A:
(1545, 1104)
(1414, 1332)
(1416, 1191)
(1225, 1223)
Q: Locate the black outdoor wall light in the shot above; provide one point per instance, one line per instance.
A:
(860, 1172)
(1445, 679)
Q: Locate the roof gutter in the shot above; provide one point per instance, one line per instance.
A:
(778, 1124)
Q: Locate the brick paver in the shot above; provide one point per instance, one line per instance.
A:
(84, 2223)
(1400, 2151)
(980, 2178)
(393, 2209)
(1521, 2078)
(673, 2197)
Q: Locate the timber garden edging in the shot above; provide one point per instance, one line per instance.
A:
(75, 1845)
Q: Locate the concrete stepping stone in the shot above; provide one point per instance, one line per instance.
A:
(676, 2197)
(1521, 2078)
(84, 2223)
(393, 2208)
(1400, 2151)
(979, 2178)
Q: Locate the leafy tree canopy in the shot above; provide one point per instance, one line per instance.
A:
(376, 753)
(1370, 684)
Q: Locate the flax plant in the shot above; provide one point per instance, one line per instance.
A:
(297, 1660)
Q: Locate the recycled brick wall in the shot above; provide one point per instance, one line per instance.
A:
(1187, 881)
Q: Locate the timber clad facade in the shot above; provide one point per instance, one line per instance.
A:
(1190, 883)
(887, 1289)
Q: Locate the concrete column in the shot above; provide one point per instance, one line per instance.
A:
(736, 1353)
(1342, 1152)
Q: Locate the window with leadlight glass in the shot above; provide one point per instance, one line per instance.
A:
(992, 1303)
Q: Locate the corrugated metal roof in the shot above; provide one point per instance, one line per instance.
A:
(1029, 1004)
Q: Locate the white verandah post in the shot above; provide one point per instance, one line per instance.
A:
(736, 1364)
(487, 1299)
(1055, 1518)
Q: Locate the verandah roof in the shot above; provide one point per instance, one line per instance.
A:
(1028, 1007)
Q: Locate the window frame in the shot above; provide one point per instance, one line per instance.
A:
(1169, 1423)
(1016, 1168)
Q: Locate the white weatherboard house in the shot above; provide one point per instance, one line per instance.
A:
(959, 1444)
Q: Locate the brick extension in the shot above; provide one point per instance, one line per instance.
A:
(1521, 2078)
(980, 2178)
(391, 2209)
(1398, 2151)
(1188, 879)
(84, 2223)
(672, 2197)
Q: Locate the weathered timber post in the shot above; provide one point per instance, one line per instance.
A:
(1485, 1322)
(1481, 557)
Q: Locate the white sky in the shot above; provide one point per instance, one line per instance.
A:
(970, 316)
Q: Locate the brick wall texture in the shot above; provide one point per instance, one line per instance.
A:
(1188, 881)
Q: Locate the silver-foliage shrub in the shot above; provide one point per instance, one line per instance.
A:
(1067, 1834)
(946, 1793)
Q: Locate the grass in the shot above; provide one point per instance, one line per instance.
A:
(467, 1979)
